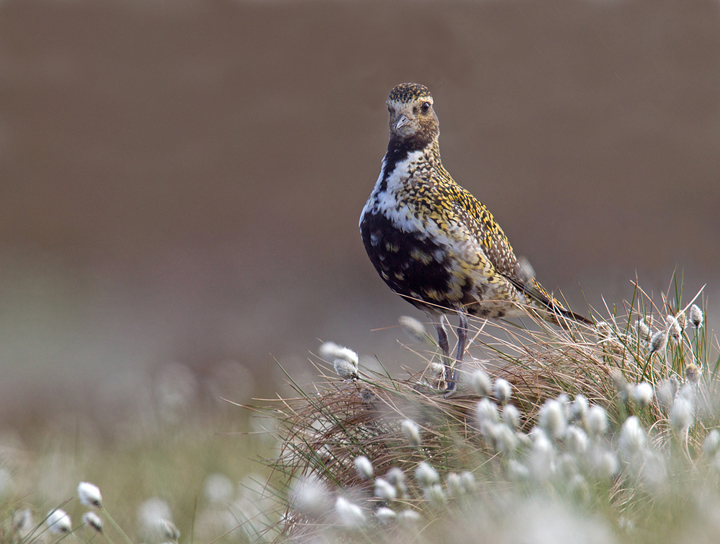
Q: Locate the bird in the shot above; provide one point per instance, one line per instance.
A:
(434, 243)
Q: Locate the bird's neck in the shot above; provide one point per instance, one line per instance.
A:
(399, 149)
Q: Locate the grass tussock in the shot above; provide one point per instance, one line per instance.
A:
(609, 426)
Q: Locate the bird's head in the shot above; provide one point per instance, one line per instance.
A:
(412, 118)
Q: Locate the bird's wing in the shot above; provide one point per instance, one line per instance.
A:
(480, 223)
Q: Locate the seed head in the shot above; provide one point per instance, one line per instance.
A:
(350, 515)
(517, 472)
(331, 351)
(58, 522)
(502, 390)
(578, 408)
(673, 328)
(364, 467)
(642, 329)
(596, 421)
(409, 517)
(92, 520)
(89, 495)
(481, 383)
(681, 319)
(309, 496)
(413, 328)
(426, 475)
(632, 436)
(437, 370)
(395, 476)
(505, 439)
(345, 369)
(682, 414)
(168, 530)
(642, 394)
(454, 485)
(577, 440)
(665, 392)
(552, 418)
(605, 464)
(511, 416)
(658, 342)
(411, 432)
(711, 445)
(692, 373)
(385, 515)
(220, 489)
(468, 481)
(486, 411)
(696, 316)
(384, 490)
(22, 520)
(435, 495)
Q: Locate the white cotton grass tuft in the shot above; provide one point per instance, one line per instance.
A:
(345, 369)
(218, 489)
(486, 411)
(411, 432)
(632, 437)
(385, 515)
(92, 520)
(331, 351)
(642, 394)
(665, 392)
(426, 475)
(511, 416)
(58, 522)
(576, 439)
(692, 373)
(22, 520)
(711, 445)
(364, 467)
(696, 316)
(682, 414)
(552, 418)
(349, 514)
(468, 481)
(673, 328)
(413, 328)
(681, 319)
(409, 517)
(578, 408)
(502, 390)
(89, 494)
(152, 510)
(435, 496)
(437, 370)
(642, 329)
(309, 495)
(596, 422)
(384, 490)
(658, 342)
(480, 381)
(454, 485)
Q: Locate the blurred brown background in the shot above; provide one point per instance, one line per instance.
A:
(181, 181)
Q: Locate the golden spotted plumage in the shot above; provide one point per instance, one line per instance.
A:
(432, 241)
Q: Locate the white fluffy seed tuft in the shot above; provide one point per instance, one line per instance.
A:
(480, 381)
(58, 522)
(642, 394)
(92, 520)
(364, 467)
(350, 515)
(426, 475)
(502, 390)
(411, 432)
(89, 495)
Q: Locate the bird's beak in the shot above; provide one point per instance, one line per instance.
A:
(401, 122)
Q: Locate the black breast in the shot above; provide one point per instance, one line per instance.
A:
(410, 263)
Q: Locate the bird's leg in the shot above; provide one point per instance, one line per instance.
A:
(451, 374)
(444, 344)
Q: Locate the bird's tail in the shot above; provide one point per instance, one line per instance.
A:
(550, 308)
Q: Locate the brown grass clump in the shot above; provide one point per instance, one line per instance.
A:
(325, 430)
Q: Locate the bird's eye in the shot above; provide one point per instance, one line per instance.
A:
(425, 107)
